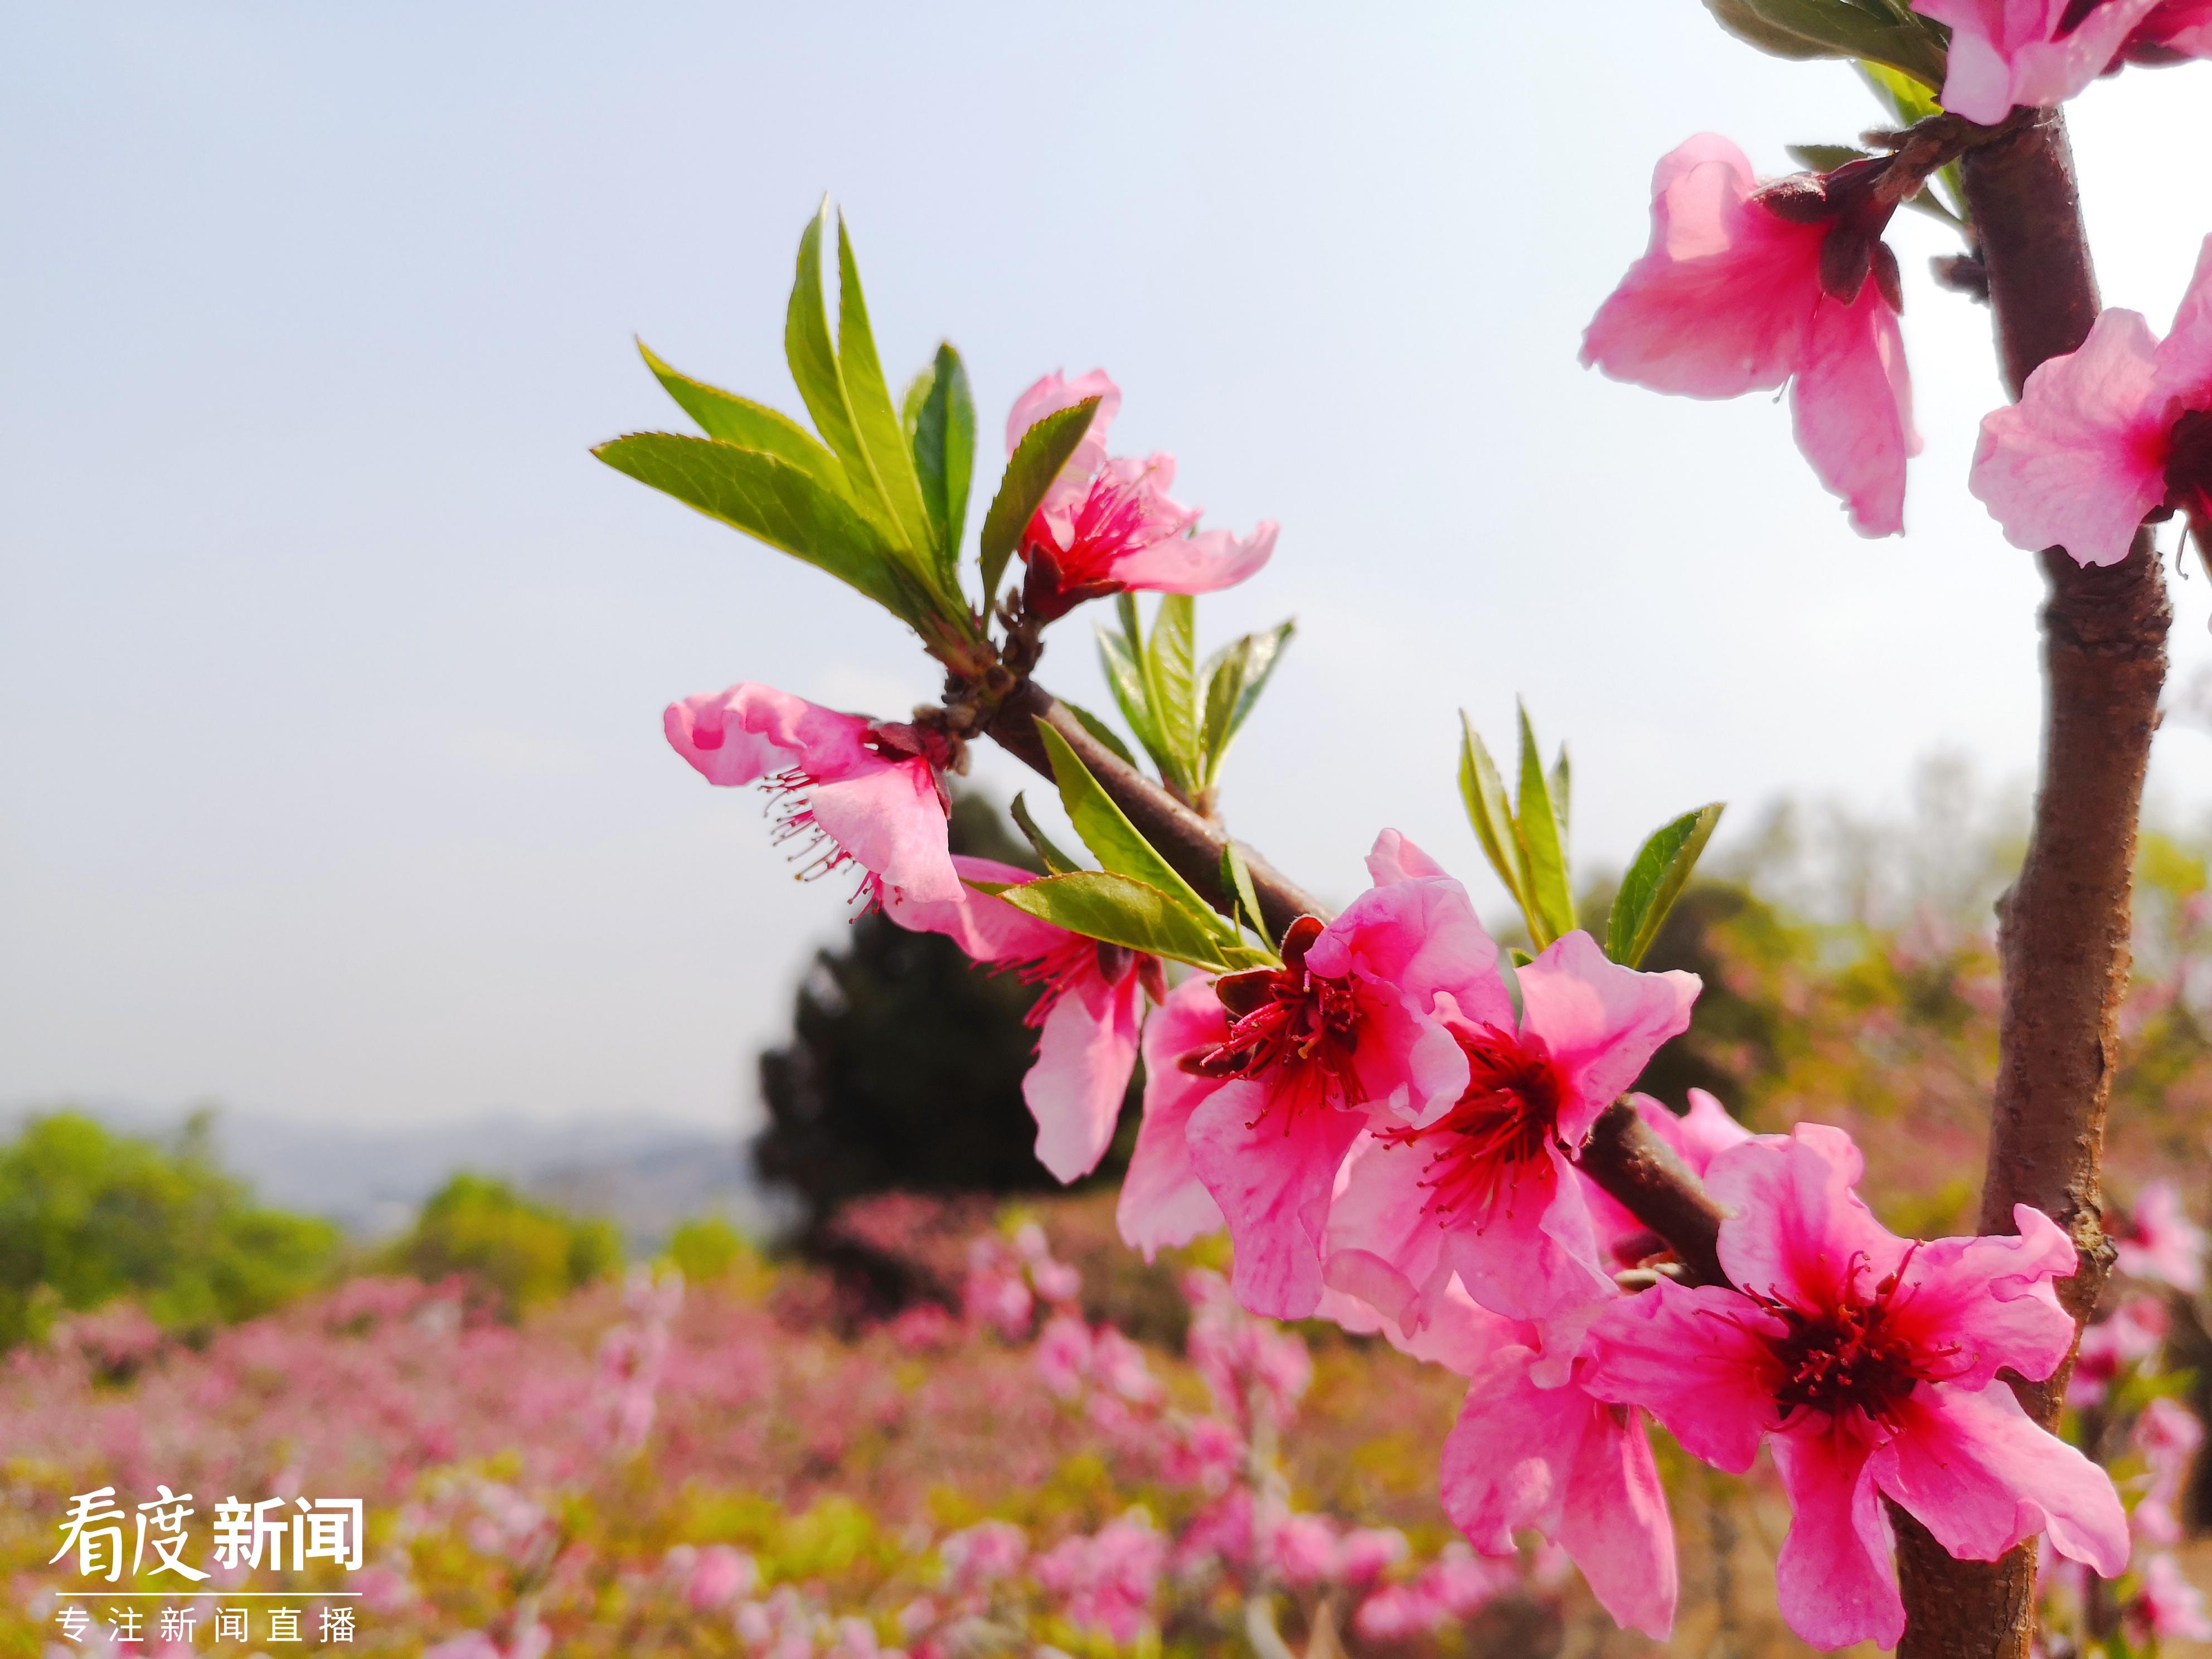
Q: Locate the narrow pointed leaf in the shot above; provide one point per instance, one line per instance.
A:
(769, 497)
(1656, 877)
(1118, 910)
(1487, 811)
(1237, 878)
(1171, 679)
(1562, 792)
(1836, 29)
(1125, 677)
(1550, 908)
(1114, 840)
(940, 423)
(812, 354)
(1222, 681)
(1036, 461)
(1262, 653)
(734, 420)
(882, 445)
(1055, 861)
(1105, 734)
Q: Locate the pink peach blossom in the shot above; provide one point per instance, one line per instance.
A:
(1106, 526)
(2168, 1435)
(2037, 52)
(867, 792)
(1534, 1448)
(1869, 1365)
(1106, 1582)
(2166, 1606)
(2159, 1240)
(2131, 1332)
(1488, 1189)
(2105, 434)
(1163, 1205)
(1345, 1035)
(1086, 1018)
(1732, 296)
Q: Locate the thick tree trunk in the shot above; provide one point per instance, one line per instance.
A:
(2063, 935)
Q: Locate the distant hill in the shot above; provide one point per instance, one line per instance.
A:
(642, 1175)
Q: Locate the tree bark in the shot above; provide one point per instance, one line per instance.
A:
(2063, 934)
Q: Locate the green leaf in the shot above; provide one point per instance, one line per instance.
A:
(1826, 158)
(1036, 461)
(881, 440)
(940, 425)
(1237, 880)
(767, 496)
(1105, 734)
(1562, 793)
(1125, 677)
(1113, 840)
(1101, 905)
(1234, 677)
(812, 354)
(1055, 861)
(749, 425)
(1551, 906)
(1484, 792)
(1171, 683)
(1870, 29)
(1654, 880)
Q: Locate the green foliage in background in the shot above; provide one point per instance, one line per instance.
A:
(88, 1216)
(528, 1254)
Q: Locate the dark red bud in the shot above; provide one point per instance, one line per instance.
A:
(1887, 278)
(1801, 198)
(1846, 257)
(1153, 978)
(1115, 960)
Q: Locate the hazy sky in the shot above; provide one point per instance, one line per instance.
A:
(331, 664)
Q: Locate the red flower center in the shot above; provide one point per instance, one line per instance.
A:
(1504, 1122)
(1116, 517)
(1847, 1355)
(1300, 1026)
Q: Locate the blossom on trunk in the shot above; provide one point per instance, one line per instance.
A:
(2159, 1240)
(1869, 1366)
(1346, 1034)
(1108, 524)
(1488, 1189)
(2037, 52)
(2106, 435)
(851, 790)
(1086, 1016)
(1746, 287)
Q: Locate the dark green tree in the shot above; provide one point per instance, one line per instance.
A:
(905, 1065)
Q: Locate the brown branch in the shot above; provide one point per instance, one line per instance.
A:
(2063, 934)
(1634, 1166)
(1190, 842)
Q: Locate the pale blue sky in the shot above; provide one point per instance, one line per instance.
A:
(331, 666)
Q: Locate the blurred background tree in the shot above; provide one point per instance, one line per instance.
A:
(88, 1215)
(526, 1254)
(905, 1065)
